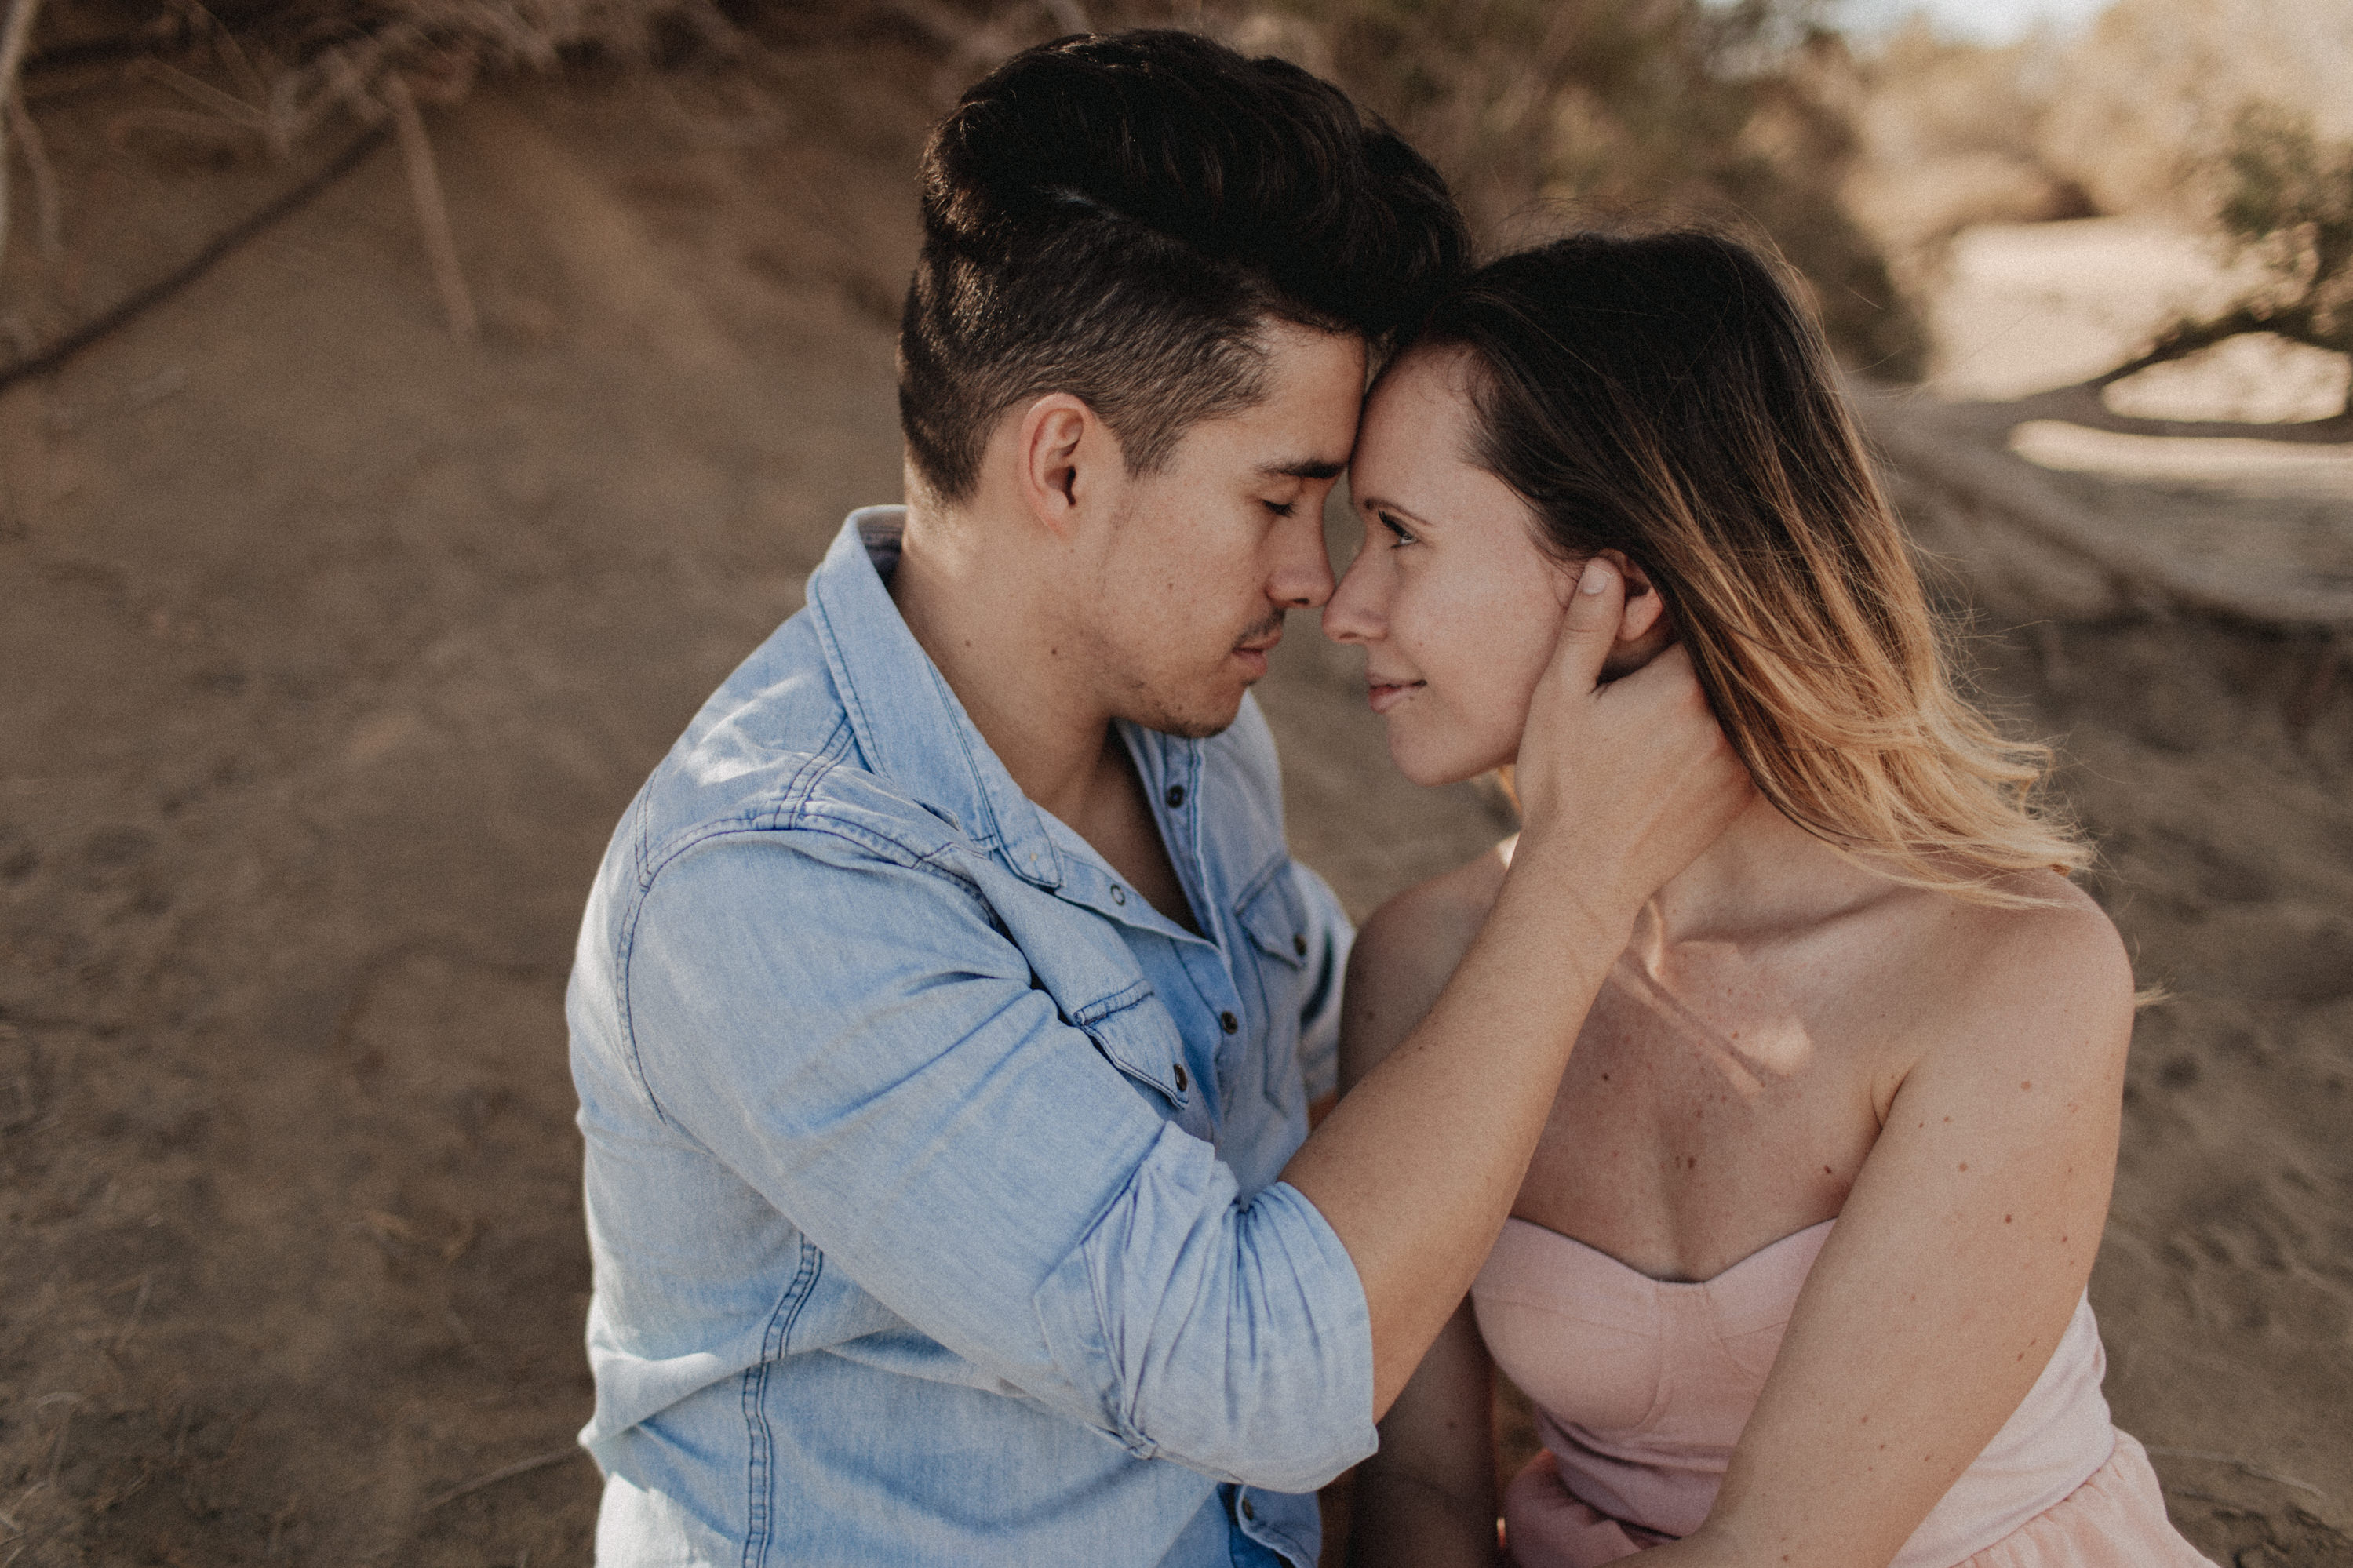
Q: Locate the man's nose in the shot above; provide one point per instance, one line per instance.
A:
(1302, 579)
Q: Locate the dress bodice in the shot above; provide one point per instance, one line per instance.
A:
(1642, 1386)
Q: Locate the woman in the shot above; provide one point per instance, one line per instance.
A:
(1796, 1276)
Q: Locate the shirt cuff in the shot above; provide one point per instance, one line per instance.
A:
(1233, 1339)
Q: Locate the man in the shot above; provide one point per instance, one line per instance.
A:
(948, 1008)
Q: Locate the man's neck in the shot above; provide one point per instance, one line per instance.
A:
(973, 611)
(986, 618)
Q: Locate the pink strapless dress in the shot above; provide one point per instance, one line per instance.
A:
(1641, 1388)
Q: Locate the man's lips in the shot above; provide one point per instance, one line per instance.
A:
(1387, 694)
(1252, 650)
(1262, 636)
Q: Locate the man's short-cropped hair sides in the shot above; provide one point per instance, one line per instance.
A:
(1120, 217)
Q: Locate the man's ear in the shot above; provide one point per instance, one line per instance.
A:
(1645, 630)
(1064, 449)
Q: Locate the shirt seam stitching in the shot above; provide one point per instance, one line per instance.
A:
(762, 1437)
(927, 861)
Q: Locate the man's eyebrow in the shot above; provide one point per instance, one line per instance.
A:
(1305, 469)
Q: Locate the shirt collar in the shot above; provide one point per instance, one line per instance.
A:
(908, 724)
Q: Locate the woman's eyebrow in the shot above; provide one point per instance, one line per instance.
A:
(1374, 503)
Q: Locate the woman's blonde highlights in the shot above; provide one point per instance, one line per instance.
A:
(1666, 395)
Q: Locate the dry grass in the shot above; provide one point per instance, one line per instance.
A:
(1859, 170)
(1528, 106)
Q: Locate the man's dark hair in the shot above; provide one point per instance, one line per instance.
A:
(1118, 216)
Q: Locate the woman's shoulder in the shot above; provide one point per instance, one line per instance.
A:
(2045, 931)
(1443, 914)
(1407, 952)
(2018, 976)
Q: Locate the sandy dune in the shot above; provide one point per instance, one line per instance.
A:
(334, 648)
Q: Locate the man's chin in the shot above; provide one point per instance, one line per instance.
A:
(1193, 721)
(1192, 727)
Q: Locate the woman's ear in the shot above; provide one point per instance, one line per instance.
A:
(1643, 606)
(1646, 629)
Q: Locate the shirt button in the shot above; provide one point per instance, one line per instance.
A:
(1249, 1512)
(1176, 796)
(1118, 894)
(1183, 1082)
(1228, 1023)
(1299, 945)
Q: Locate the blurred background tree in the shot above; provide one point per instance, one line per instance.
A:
(1534, 108)
(2287, 201)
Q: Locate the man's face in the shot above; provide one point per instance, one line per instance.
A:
(1205, 554)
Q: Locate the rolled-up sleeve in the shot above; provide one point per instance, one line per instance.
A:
(843, 1022)
(1184, 1311)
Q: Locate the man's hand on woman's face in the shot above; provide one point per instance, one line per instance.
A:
(1622, 783)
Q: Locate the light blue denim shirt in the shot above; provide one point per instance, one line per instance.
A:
(931, 1172)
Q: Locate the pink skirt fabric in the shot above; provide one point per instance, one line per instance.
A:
(2115, 1520)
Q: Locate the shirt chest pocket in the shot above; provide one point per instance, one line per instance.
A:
(1135, 1034)
(1275, 917)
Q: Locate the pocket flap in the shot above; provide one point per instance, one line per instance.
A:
(1136, 1036)
(1274, 915)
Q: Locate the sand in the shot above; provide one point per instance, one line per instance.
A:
(334, 647)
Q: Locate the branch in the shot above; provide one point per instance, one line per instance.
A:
(2299, 323)
(505, 1473)
(2081, 403)
(204, 261)
(14, 37)
(47, 203)
(432, 209)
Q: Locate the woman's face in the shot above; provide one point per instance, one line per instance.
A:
(1456, 607)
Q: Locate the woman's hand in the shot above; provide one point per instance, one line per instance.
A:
(1638, 761)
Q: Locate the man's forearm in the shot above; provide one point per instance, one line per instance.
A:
(1416, 1168)
(1621, 785)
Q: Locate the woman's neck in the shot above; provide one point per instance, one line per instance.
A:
(1764, 876)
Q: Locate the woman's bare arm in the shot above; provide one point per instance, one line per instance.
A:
(1955, 1264)
(1427, 1498)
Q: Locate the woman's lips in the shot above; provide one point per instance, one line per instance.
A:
(1387, 695)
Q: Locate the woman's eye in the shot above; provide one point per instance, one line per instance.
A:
(1280, 509)
(1400, 533)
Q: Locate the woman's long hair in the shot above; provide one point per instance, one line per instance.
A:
(1666, 394)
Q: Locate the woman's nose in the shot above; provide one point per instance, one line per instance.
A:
(1354, 613)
